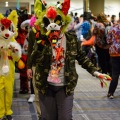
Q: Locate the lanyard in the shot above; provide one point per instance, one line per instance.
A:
(58, 50)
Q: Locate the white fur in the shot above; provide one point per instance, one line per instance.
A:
(53, 26)
(96, 73)
(15, 46)
(25, 23)
(2, 44)
(7, 31)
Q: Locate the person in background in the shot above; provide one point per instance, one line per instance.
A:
(26, 25)
(102, 48)
(31, 67)
(113, 19)
(72, 23)
(119, 18)
(22, 40)
(89, 42)
(113, 38)
(108, 18)
(86, 30)
(76, 18)
(78, 29)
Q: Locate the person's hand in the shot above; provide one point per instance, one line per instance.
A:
(29, 73)
(81, 43)
(102, 77)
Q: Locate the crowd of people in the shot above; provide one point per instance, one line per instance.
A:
(100, 39)
(51, 40)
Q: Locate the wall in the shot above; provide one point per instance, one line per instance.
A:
(96, 6)
(12, 4)
(112, 7)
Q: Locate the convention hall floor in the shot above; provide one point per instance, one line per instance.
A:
(90, 101)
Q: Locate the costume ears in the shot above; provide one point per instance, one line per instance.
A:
(1, 16)
(65, 6)
(13, 17)
(39, 7)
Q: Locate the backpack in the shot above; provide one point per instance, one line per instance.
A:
(101, 31)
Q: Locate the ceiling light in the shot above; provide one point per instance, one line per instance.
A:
(6, 4)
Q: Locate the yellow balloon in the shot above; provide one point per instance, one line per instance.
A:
(21, 64)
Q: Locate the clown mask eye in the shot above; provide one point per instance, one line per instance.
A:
(11, 28)
(58, 20)
(46, 21)
(2, 28)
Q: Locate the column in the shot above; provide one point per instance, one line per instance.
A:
(96, 6)
(86, 5)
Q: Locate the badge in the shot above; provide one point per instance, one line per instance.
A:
(53, 76)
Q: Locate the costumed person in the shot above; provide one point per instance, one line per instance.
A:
(10, 51)
(54, 55)
(21, 39)
(31, 66)
(25, 25)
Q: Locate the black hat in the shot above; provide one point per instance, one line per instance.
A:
(87, 15)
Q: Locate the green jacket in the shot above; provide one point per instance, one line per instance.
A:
(31, 42)
(43, 59)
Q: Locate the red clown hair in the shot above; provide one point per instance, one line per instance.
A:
(51, 12)
(5, 22)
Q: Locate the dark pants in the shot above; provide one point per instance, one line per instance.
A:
(115, 74)
(55, 105)
(31, 87)
(104, 59)
(24, 83)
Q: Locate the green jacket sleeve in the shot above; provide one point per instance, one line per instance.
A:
(31, 41)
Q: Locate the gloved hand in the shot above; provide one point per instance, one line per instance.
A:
(102, 77)
(2, 45)
(15, 49)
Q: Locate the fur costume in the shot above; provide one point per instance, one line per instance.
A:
(10, 51)
(54, 55)
(51, 23)
(23, 25)
(47, 18)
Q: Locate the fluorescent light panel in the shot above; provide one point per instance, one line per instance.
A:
(6, 4)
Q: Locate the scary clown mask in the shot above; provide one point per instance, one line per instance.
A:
(51, 20)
